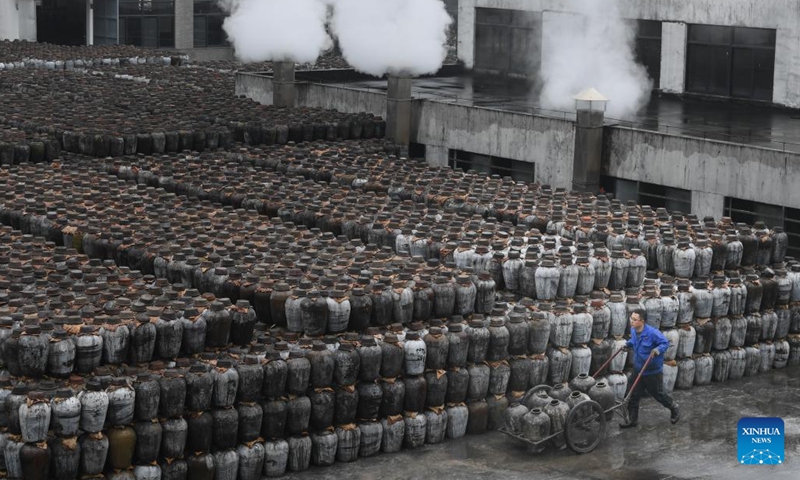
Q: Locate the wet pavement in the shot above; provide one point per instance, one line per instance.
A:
(738, 122)
(701, 446)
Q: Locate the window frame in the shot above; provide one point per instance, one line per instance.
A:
(145, 13)
(213, 11)
(705, 53)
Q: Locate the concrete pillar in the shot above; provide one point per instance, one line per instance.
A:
(673, 57)
(284, 92)
(785, 84)
(184, 24)
(436, 156)
(466, 32)
(9, 20)
(398, 109)
(708, 204)
(588, 150)
(89, 22)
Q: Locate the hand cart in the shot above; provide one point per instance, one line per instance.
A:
(585, 425)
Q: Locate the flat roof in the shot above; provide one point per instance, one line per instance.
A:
(733, 121)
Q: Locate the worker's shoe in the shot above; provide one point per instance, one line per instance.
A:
(676, 414)
(628, 424)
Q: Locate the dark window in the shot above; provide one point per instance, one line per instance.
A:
(490, 41)
(730, 61)
(750, 212)
(492, 16)
(488, 165)
(416, 150)
(208, 19)
(709, 34)
(507, 41)
(654, 195)
(673, 199)
(147, 23)
(791, 225)
(648, 48)
(761, 37)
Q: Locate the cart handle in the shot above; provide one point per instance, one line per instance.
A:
(639, 377)
(603, 366)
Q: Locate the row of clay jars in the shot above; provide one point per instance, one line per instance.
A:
(22, 50)
(395, 227)
(700, 311)
(139, 438)
(777, 249)
(778, 325)
(647, 240)
(29, 150)
(179, 110)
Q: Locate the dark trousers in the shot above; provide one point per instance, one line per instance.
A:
(652, 384)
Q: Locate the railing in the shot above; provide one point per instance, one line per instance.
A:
(513, 105)
(746, 138)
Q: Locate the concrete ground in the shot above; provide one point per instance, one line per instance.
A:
(701, 446)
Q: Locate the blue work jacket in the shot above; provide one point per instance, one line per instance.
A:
(641, 344)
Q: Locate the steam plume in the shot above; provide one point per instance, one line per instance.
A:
(392, 36)
(595, 50)
(291, 30)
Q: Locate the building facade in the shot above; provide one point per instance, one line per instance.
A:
(747, 49)
(189, 26)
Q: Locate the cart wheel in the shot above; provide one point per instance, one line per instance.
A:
(585, 426)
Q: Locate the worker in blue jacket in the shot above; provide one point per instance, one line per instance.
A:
(647, 342)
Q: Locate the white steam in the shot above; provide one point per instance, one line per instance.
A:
(594, 49)
(392, 36)
(279, 30)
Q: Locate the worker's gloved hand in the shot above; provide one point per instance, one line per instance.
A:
(655, 352)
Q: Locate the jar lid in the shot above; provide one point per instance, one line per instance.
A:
(252, 358)
(64, 393)
(93, 385)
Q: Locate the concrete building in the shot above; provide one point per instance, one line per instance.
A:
(189, 26)
(736, 156)
(745, 50)
(740, 48)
